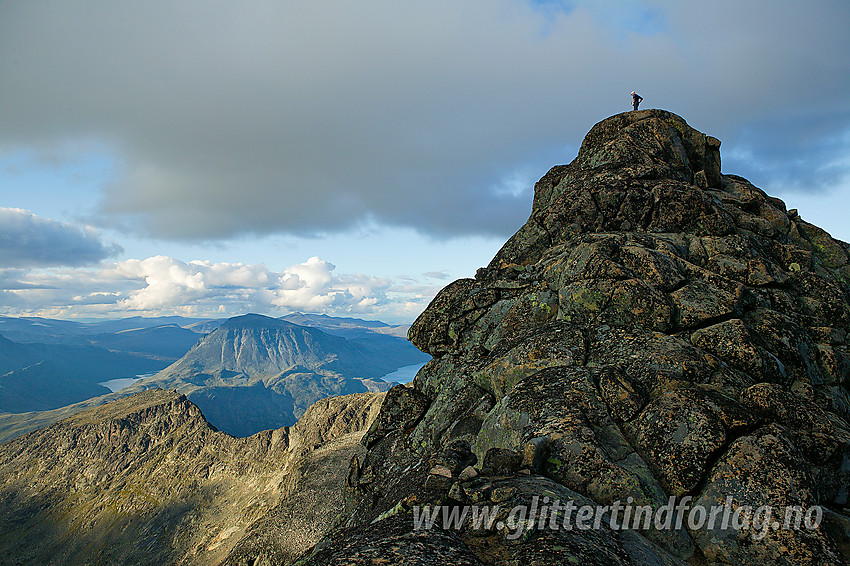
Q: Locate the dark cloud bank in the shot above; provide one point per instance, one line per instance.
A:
(307, 117)
(27, 240)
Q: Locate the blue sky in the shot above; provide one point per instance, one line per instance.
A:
(212, 158)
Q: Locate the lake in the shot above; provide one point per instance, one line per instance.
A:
(403, 374)
(122, 382)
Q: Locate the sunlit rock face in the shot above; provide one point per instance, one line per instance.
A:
(656, 329)
(147, 480)
(657, 333)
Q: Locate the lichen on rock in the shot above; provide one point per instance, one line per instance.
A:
(656, 329)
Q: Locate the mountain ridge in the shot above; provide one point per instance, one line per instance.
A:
(256, 372)
(150, 468)
(270, 392)
(656, 329)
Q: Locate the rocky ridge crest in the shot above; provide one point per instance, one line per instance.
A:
(656, 329)
(146, 480)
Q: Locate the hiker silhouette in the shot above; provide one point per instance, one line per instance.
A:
(636, 99)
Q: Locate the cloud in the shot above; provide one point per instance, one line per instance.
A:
(27, 240)
(436, 274)
(10, 279)
(311, 286)
(305, 117)
(163, 285)
(167, 283)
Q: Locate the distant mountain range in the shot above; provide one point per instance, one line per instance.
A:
(347, 327)
(46, 364)
(40, 376)
(249, 373)
(27, 329)
(255, 372)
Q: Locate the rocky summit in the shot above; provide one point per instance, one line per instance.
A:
(652, 371)
(656, 330)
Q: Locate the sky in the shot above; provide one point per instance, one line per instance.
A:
(207, 158)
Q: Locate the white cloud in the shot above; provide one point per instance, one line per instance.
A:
(168, 282)
(311, 286)
(163, 285)
(27, 240)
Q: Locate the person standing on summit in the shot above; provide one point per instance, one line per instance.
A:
(636, 99)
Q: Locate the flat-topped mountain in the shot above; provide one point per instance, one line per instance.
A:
(255, 372)
(656, 329)
(260, 346)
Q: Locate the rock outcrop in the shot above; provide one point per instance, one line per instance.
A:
(659, 338)
(656, 329)
(146, 480)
